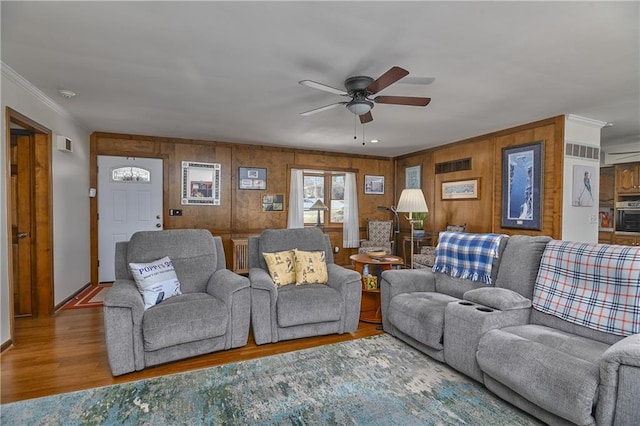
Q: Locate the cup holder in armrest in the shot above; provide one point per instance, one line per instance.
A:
(483, 309)
(466, 303)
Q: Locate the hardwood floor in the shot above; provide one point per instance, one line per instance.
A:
(66, 353)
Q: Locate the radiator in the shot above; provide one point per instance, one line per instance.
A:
(240, 255)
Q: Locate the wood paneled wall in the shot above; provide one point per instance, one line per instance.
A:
(484, 214)
(240, 213)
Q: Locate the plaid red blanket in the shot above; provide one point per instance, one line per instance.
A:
(594, 285)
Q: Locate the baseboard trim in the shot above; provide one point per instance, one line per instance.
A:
(6, 345)
(65, 301)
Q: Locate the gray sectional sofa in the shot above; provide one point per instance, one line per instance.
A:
(552, 367)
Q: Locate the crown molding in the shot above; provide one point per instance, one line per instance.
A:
(26, 85)
(586, 121)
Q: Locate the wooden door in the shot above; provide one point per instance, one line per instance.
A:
(22, 220)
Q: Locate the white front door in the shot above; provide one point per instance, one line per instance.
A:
(129, 200)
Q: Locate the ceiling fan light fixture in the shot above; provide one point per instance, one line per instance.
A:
(359, 106)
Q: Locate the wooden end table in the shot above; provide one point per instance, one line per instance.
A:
(370, 306)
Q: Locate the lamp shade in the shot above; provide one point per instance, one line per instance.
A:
(412, 200)
(318, 205)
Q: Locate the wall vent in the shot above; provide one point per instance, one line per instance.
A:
(453, 166)
(64, 144)
(582, 151)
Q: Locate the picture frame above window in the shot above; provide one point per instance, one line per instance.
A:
(522, 169)
(373, 185)
(461, 189)
(200, 183)
(252, 178)
(413, 177)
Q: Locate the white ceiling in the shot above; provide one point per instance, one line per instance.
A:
(229, 71)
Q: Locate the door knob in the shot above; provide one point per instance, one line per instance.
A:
(158, 217)
(22, 235)
(158, 225)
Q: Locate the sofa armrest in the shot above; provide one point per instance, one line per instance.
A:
(341, 277)
(234, 290)
(620, 383)
(408, 280)
(501, 299)
(261, 280)
(264, 295)
(125, 294)
(349, 283)
(223, 283)
(465, 323)
(123, 309)
(398, 281)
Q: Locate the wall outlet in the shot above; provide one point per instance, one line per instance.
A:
(593, 219)
(336, 249)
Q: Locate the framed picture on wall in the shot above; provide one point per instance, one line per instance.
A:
(252, 178)
(412, 177)
(200, 183)
(273, 202)
(373, 184)
(522, 186)
(461, 190)
(584, 178)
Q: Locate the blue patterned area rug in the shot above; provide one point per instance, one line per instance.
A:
(373, 381)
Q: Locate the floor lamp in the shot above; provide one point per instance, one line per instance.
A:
(412, 201)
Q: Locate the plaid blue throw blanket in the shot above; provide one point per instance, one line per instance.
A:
(467, 256)
(594, 285)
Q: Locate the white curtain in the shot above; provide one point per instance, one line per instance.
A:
(295, 219)
(351, 225)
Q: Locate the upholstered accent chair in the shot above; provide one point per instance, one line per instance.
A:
(212, 313)
(379, 237)
(427, 256)
(284, 312)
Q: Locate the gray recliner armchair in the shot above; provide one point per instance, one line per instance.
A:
(294, 311)
(211, 314)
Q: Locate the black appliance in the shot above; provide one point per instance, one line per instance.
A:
(628, 216)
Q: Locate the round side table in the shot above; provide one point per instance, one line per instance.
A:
(370, 306)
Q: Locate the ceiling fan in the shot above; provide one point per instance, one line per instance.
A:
(361, 88)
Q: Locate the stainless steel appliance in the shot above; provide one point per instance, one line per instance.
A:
(628, 216)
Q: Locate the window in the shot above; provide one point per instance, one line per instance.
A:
(317, 184)
(130, 174)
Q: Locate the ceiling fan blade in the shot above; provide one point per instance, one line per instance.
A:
(418, 80)
(365, 118)
(402, 100)
(387, 79)
(323, 87)
(324, 108)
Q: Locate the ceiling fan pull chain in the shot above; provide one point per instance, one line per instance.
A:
(355, 127)
(363, 135)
